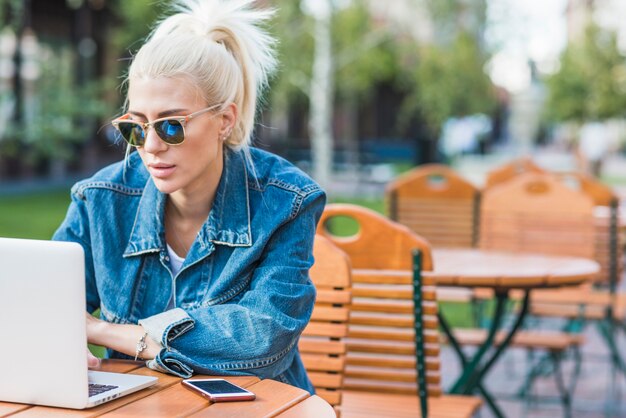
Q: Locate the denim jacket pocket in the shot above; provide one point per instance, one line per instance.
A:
(233, 293)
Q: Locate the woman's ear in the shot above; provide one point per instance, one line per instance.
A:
(229, 118)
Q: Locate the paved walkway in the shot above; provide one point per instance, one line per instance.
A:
(597, 394)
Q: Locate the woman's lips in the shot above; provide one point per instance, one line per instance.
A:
(161, 171)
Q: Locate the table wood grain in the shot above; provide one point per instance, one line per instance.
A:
(168, 398)
(506, 270)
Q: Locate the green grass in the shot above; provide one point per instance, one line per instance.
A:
(614, 180)
(34, 216)
(342, 226)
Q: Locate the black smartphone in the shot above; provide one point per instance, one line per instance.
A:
(218, 390)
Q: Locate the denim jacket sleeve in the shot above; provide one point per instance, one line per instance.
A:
(75, 228)
(258, 333)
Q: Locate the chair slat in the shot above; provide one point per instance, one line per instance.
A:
(388, 361)
(333, 397)
(394, 306)
(321, 347)
(325, 380)
(321, 362)
(328, 313)
(338, 297)
(316, 345)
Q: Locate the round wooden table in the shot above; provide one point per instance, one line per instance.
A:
(502, 272)
(505, 270)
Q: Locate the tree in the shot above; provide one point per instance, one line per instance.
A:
(52, 117)
(449, 81)
(135, 21)
(48, 109)
(330, 44)
(591, 81)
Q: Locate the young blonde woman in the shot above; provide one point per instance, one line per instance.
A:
(197, 245)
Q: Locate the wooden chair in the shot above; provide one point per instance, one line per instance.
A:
(435, 202)
(380, 377)
(607, 238)
(592, 305)
(510, 170)
(604, 304)
(321, 346)
(537, 213)
(606, 250)
(608, 241)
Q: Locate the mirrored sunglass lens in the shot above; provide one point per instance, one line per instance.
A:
(170, 131)
(132, 133)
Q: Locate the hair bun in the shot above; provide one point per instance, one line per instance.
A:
(233, 23)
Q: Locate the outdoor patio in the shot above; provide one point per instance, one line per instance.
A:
(601, 390)
(595, 395)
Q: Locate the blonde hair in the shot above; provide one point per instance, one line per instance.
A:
(221, 47)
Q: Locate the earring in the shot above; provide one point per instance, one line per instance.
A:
(226, 135)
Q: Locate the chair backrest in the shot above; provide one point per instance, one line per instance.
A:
(608, 240)
(510, 170)
(436, 203)
(321, 345)
(537, 213)
(381, 339)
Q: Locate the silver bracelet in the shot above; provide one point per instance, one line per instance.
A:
(141, 345)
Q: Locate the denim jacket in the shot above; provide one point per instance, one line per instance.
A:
(243, 295)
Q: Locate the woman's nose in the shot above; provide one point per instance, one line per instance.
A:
(153, 143)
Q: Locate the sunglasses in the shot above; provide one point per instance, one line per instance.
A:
(171, 129)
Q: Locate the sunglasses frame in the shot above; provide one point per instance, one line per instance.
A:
(183, 120)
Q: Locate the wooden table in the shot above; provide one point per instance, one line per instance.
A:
(502, 272)
(169, 399)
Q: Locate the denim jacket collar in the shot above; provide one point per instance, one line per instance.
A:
(228, 222)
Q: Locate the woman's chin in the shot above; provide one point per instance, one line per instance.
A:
(166, 186)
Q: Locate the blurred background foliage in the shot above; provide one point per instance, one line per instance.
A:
(591, 81)
(440, 91)
(393, 86)
(68, 109)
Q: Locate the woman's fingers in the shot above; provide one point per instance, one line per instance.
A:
(92, 361)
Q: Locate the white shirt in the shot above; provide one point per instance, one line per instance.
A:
(176, 262)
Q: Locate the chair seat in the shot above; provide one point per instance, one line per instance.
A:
(382, 405)
(541, 340)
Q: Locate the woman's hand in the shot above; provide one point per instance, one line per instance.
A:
(92, 361)
(120, 337)
(92, 325)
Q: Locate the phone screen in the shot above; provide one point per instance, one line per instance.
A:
(218, 390)
(217, 387)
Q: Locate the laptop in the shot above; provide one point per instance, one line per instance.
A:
(43, 348)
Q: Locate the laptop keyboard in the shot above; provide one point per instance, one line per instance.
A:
(96, 389)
